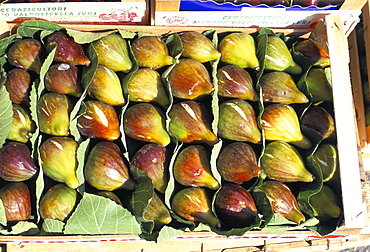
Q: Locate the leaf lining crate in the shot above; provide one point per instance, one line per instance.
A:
(332, 35)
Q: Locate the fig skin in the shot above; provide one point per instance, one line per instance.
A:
(26, 54)
(235, 206)
(237, 162)
(319, 119)
(63, 78)
(23, 126)
(18, 85)
(319, 85)
(190, 123)
(16, 163)
(325, 204)
(16, 199)
(192, 168)
(105, 168)
(189, 79)
(314, 51)
(152, 159)
(145, 122)
(110, 195)
(99, 121)
(157, 211)
(58, 202)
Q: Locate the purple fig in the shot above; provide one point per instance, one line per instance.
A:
(157, 211)
(192, 168)
(151, 159)
(314, 51)
(16, 163)
(145, 122)
(23, 126)
(16, 199)
(237, 162)
(190, 123)
(63, 78)
(18, 85)
(319, 119)
(235, 206)
(105, 168)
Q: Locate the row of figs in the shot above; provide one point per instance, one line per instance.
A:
(229, 129)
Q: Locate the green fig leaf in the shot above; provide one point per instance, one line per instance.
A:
(82, 152)
(40, 178)
(22, 228)
(326, 228)
(5, 42)
(127, 34)
(304, 226)
(263, 206)
(33, 108)
(2, 214)
(6, 115)
(31, 28)
(99, 215)
(85, 37)
(45, 67)
(171, 182)
(168, 232)
(240, 231)
(52, 227)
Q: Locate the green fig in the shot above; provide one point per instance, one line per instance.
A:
(157, 211)
(58, 202)
(189, 79)
(53, 114)
(106, 87)
(314, 51)
(192, 168)
(146, 85)
(58, 160)
(63, 78)
(110, 195)
(23, 126)
(112, 51)
(18, 85)
(318, 85)
(325, 204)
(280, 87)
(326, 157)
(152, 159)
(145, 122)
(282, 200)
(197, 46)
(235, 206)
(190, 123)
(236, 82)
(105, 168)
(16, 199)
(279, 58)
(282, 162)
(193, 204)
(239, 49)
(99, 120)
(238, 121)
(280, 122)
(151, 52)
(237, 163)
(319, 119)
(27, 54)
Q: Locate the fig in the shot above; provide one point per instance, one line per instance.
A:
(197, 46)
(53, 114)
(27, 54)
(280, 87)
(326, 156)
(23, 126)
(99, 120)
(105, 168)
(237, 162)
(16, 163)
(192, 168)
(282, 200)
(146, 85)
(235, 206)
(151, 159)
(190, 123)
(110, 195)
(112, 51)
(67, 50)
(58, 160)
(145, 122)
(236, 82)
(318, 85)
(239, 49)
(189, 79)
(157, 211)
(16, 200)
(325, 204)
(238, 121)
(282, 162)
(151, 52)
(280, 122)
(58, 202)
(193, 204)
(63, 78)
(314, 51)
(106, 87)
(319, 119)
(18, 85)
(278, 56)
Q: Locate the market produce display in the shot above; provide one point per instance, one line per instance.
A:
(118, 132)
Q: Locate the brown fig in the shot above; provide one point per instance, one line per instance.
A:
(145, 122)
(23, 126)
(189, 79)
(319, 119)
(157, 211)
(18, 85)
(237, 162)
(99, 120)
(110, 195)
(16, 199)
(314, 51)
